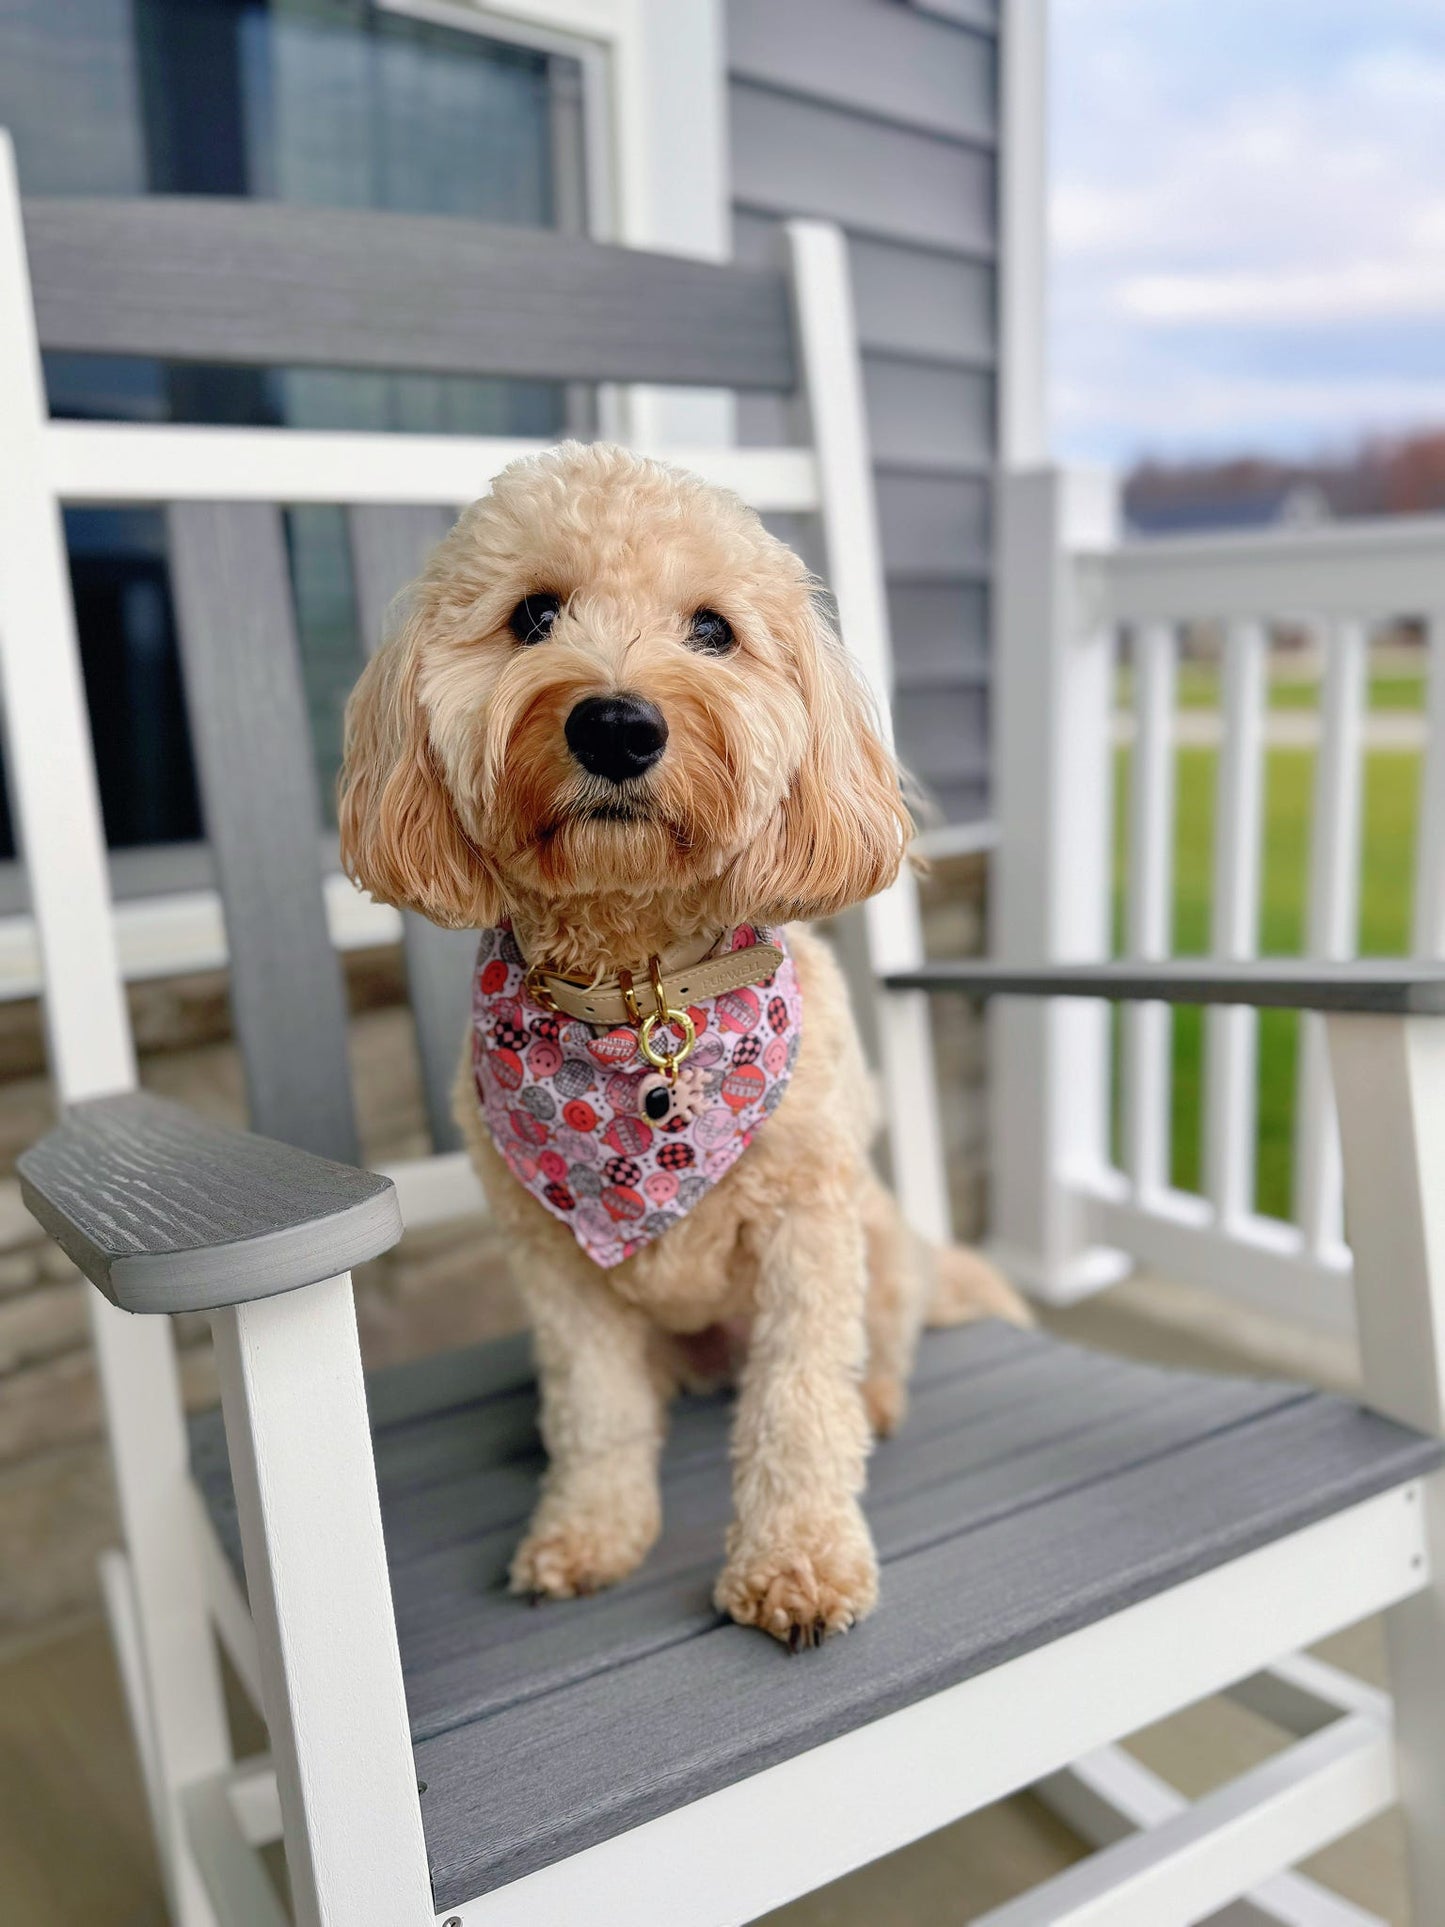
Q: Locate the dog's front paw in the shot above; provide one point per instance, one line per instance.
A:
(568, 1554)
(801, 1586)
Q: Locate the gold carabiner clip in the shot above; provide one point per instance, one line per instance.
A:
(533, 987)
(669, 1018)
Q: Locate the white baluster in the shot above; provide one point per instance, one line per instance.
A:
(1148, 1027)
(1334, 901)
(1429, 918)
(1231, 1035)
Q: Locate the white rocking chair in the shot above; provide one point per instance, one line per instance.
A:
(1073, 1546)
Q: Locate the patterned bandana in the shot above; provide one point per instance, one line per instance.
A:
(605, 1142)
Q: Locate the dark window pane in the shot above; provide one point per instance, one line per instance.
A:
(132, 678)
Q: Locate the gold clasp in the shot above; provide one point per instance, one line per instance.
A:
(667, 1017)
(533, 987)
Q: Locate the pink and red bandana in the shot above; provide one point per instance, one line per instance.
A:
(592, 1131)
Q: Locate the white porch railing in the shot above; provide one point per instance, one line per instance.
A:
(1068, 1217)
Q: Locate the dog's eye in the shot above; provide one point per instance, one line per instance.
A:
(710, 634)
(533, 618)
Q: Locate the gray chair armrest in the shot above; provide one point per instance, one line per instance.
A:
(165, 1212)
(1386, 987)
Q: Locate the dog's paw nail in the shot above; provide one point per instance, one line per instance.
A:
(800, 1598)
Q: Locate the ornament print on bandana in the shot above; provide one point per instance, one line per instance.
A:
(565, 1101)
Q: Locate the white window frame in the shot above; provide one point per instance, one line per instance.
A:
(654, 77)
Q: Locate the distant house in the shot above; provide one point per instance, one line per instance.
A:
(1401, 476)
(1285, 504)
(877, 114)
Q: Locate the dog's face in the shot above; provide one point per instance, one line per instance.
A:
(613, 678)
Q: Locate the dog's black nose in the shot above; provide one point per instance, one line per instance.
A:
(616, 736)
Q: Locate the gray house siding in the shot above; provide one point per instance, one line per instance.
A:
(881, 115)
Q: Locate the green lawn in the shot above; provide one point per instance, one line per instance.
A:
(1391, 780)
(1389, 688)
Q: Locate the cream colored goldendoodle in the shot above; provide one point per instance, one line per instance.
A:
(615, 726)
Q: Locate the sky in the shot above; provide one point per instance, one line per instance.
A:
(1247, 223)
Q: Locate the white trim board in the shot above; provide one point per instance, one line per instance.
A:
(118, 462)
(172, 935)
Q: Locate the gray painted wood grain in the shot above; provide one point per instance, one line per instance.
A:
(469, 1657)
(879, 115)
(388, 548)
(1035, 1487)
(944, 730)
(687, 1717)
(908, 300)
(423, 1387)
(980, 14)
(254, 762)
(945, 628)
(1382, 987)
(925, 417)
(506, 1795)
(165, 1211)
(203, 279)
(792, 155)
(875, 60)
(934, 528)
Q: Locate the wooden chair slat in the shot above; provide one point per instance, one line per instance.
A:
(388, 548)
(196, 278)
(248, 717)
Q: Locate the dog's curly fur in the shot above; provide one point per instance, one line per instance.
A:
(775, 800)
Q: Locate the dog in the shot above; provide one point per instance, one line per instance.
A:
(616, 733)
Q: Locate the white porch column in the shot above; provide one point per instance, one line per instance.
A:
(1052, 784)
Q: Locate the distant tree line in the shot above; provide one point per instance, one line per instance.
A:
(1383, 475)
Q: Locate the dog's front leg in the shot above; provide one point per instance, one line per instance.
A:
(603, 1398)
(800, 1559)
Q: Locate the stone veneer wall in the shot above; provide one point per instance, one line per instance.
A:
(440, 1288)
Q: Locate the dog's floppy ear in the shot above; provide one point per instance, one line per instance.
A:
(400, 837)
(843, 828)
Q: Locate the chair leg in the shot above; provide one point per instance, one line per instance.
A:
(174, 1678)
(301, 1457)
(1390, 1084)
(1415, 1635)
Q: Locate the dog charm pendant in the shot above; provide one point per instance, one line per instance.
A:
(661, 1098)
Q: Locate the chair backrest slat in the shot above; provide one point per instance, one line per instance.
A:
(201, 279)
(249, 729)
(388, 548)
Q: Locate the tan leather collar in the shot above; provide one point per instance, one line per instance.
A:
(689, 974)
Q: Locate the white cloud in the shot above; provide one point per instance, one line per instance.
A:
(1163, 414)
(1360, 290)
(1229, 178)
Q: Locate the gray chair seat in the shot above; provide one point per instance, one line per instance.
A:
(1036, 1487)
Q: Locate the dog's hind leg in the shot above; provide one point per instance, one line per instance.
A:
(899, 1283)
(912, 1284)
